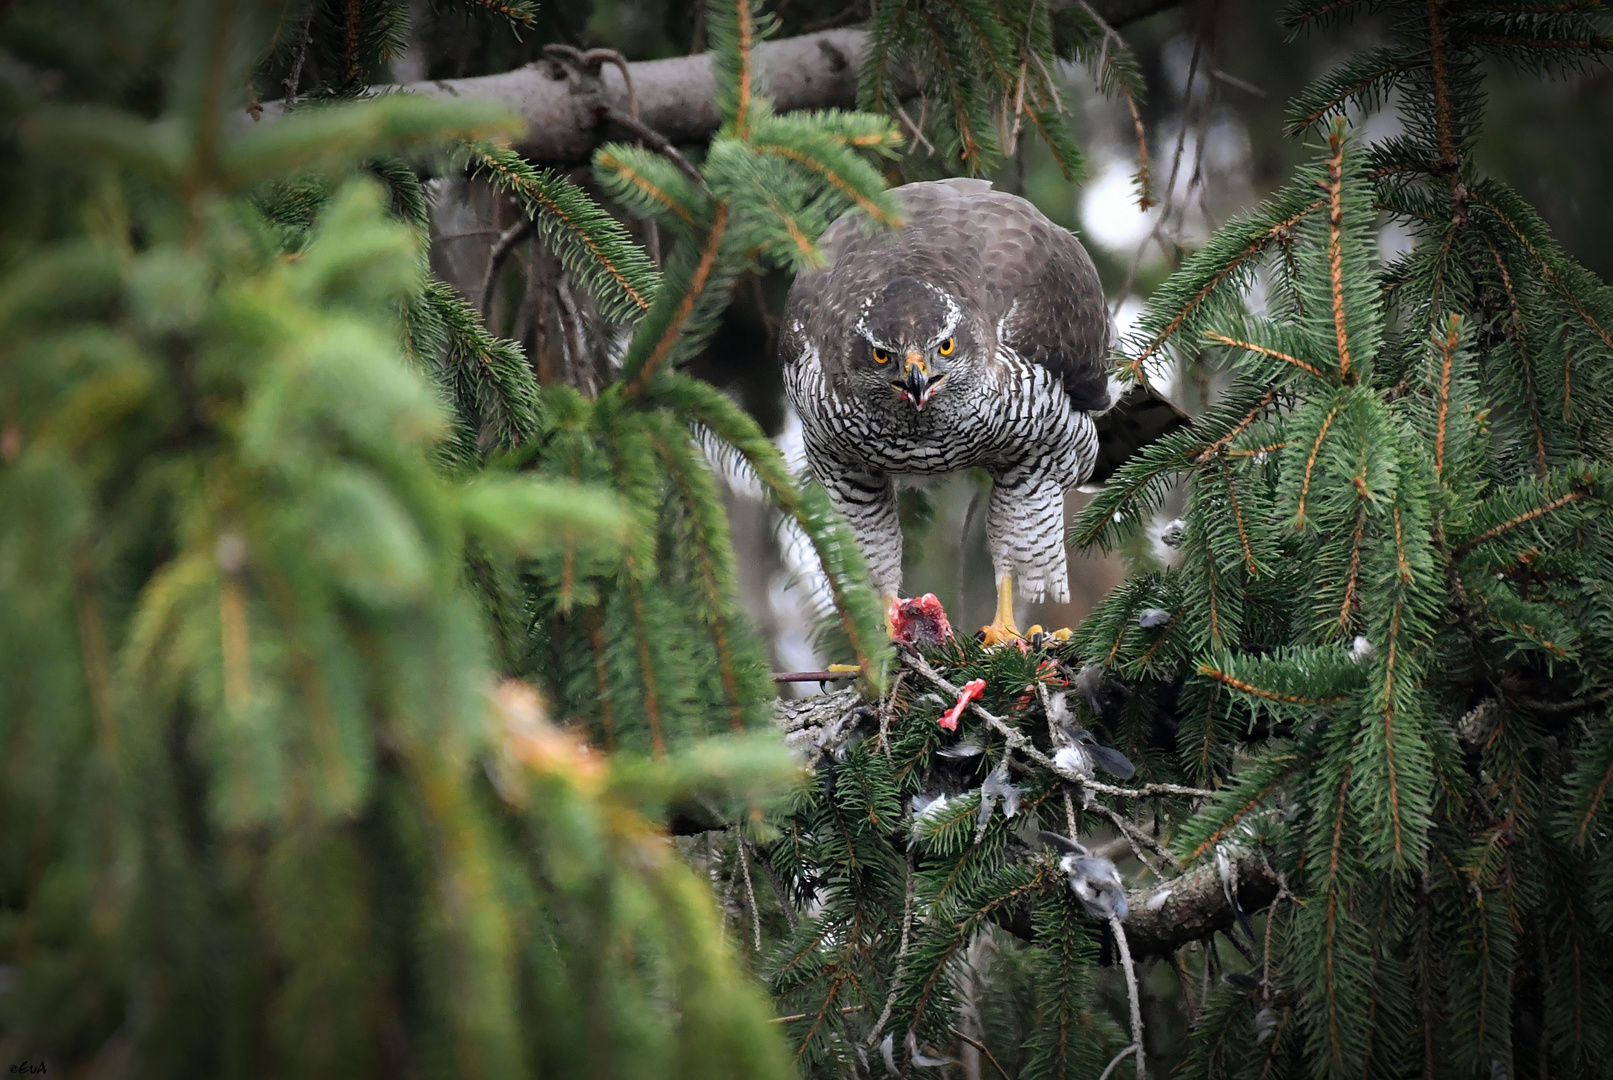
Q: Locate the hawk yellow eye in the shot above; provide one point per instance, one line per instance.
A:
(945, 348)
(881, 356)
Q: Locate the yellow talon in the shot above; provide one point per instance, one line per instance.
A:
(844, 669)
(1002, 629)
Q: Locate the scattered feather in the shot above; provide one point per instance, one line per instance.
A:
(968, 748)
(921, 1059)
(926, 808)
(1151, 618)
(1089, 680)
(995, 789)
(1094, 880)
(1111, 760)
(1074, 759)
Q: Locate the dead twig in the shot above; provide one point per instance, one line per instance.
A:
(589, 62)
(1119, 930)
(653, 139)
(1002, 1072)
(495, 260)
(1019, 742)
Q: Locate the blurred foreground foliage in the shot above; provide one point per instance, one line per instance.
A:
(268, 807)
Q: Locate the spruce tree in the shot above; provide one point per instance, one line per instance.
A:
(1368, 694)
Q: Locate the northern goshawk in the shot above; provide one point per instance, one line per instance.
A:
(974, 336)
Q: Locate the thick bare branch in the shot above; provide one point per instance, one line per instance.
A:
(676, 98)
(1194, 906)
(1197, 904)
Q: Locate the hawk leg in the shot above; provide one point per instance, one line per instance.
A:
(1025, 532)
(1002, 628)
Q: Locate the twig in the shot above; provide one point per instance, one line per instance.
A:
(1133, 836)
(1575, 705)
(1189, 1006)
(1233, 80)
(1002, 1072)
(1243, 950)
(294, 79)
(1112, 850)
(914, 129)
(501, 250)
(1110, 34)
(813, 676)
(653, 139)
(901, 950)
(885, 710)
(750, 892)
(589, 61)
(576, 344)
(1019, 742)
(802, 1016)
(783, 894)
(1190, 115)
(733, 881)
(1265, 963)
(1119, 931)
(1207, 953)
(1116, 1060)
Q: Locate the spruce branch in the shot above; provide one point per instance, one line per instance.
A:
(857, 609)
(1335, 241)
(1261, 350)
(635, 181)
(1517, 520)
(640, 366)
(591, 242)
(1210, 271)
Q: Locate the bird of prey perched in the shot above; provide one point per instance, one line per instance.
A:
(974, 336)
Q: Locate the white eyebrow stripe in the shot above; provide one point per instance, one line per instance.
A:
(862, 330)
(861, 325)
(954, 314)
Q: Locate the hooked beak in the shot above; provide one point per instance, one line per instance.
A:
(917, 385)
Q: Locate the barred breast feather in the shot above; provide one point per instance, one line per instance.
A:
(1034, 297)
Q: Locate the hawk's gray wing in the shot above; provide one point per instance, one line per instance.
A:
(1043, 278)
(1140, 417)
(1037, 280)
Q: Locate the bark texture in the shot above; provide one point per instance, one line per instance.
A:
(1196, 905)
(562, 106)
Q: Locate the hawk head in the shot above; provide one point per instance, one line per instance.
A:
(910, 341)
